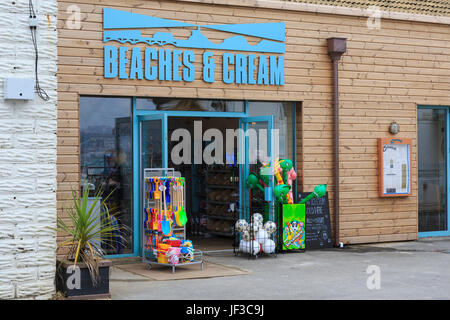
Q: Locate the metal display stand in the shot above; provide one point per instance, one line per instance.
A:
(149, 251)
(251, 254)
(198, 259)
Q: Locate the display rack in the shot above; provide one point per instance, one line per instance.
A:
(222, 187)
(198, 259)
(238, 237)
(152, 237)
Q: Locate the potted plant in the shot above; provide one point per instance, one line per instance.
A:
(84, 273)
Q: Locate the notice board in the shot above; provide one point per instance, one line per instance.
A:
(317, 222)
(394, 164)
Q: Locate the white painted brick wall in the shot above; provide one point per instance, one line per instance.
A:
(28, 155)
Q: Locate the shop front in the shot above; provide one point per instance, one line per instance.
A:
(185, 85)
(125, 136)
(213, 143)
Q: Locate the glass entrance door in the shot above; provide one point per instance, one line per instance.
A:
(152, 152)
(153, 141)
(257, 141)
(433, 134)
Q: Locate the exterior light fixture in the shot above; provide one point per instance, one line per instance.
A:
(394, 128)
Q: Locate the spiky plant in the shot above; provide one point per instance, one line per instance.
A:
(87, 233)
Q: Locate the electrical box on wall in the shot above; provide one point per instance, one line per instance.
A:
(18, 89)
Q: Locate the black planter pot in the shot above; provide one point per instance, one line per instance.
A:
(76, 283)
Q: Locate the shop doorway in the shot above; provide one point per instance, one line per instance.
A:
(433, 171)
(119, 136)
(212, 190)
(215, 188)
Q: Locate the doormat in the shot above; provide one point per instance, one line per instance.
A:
(164, 273)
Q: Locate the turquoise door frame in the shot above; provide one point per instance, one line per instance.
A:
(138, 117)
(245, 168)
(442, 233)
(138, 174)
(143, 115)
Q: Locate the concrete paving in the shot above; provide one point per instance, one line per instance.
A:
(408, 270)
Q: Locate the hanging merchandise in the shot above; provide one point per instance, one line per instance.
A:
(166, 225)
(289, 216)
(319, 191)
(164, 221)
(183, 216)
(289, 175)
(177, 201)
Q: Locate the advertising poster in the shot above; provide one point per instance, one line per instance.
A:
(293, 227)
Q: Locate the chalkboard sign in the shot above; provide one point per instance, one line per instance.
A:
(317, 225)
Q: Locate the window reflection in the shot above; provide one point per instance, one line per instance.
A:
(432, 158)
(283, 113)
(168, 104)
(283, 120)
(106, 159)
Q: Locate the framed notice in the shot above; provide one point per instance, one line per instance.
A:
(394, 162)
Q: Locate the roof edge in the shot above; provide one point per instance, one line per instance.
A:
(316, 8)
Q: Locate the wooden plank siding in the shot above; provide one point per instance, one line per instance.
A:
(383, 76)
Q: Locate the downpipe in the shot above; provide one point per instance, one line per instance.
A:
(336, 48)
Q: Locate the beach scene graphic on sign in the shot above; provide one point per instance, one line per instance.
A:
(272, 34)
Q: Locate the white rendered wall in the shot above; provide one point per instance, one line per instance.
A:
(28, 155)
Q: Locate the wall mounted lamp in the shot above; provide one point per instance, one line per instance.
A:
(394, 128)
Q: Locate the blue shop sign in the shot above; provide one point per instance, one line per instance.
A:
(264, 66)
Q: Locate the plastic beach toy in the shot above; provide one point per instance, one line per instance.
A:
(253, 182)
(319, 191)
(183, 216)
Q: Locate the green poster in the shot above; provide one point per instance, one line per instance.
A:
(293, 226)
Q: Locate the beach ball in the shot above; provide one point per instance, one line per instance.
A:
(268, 246)
(241, 245)
(245, 235)
(187, 255)
(270, 227)
(241, 225)
(258, 217)
(261, 236)
(255, 247)
(255, 226)
(244, 246)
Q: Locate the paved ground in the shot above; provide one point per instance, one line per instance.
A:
(408, 270)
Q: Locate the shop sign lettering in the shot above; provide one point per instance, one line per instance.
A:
(263, 66)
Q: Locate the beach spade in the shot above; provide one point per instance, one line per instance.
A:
(165, 223)
(156, 193)
(183, 216)
(253, 182)
(154, 224)
(319, 191)
(177, 208)
(147, 213)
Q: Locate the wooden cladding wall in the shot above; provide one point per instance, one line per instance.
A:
(384, 75)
